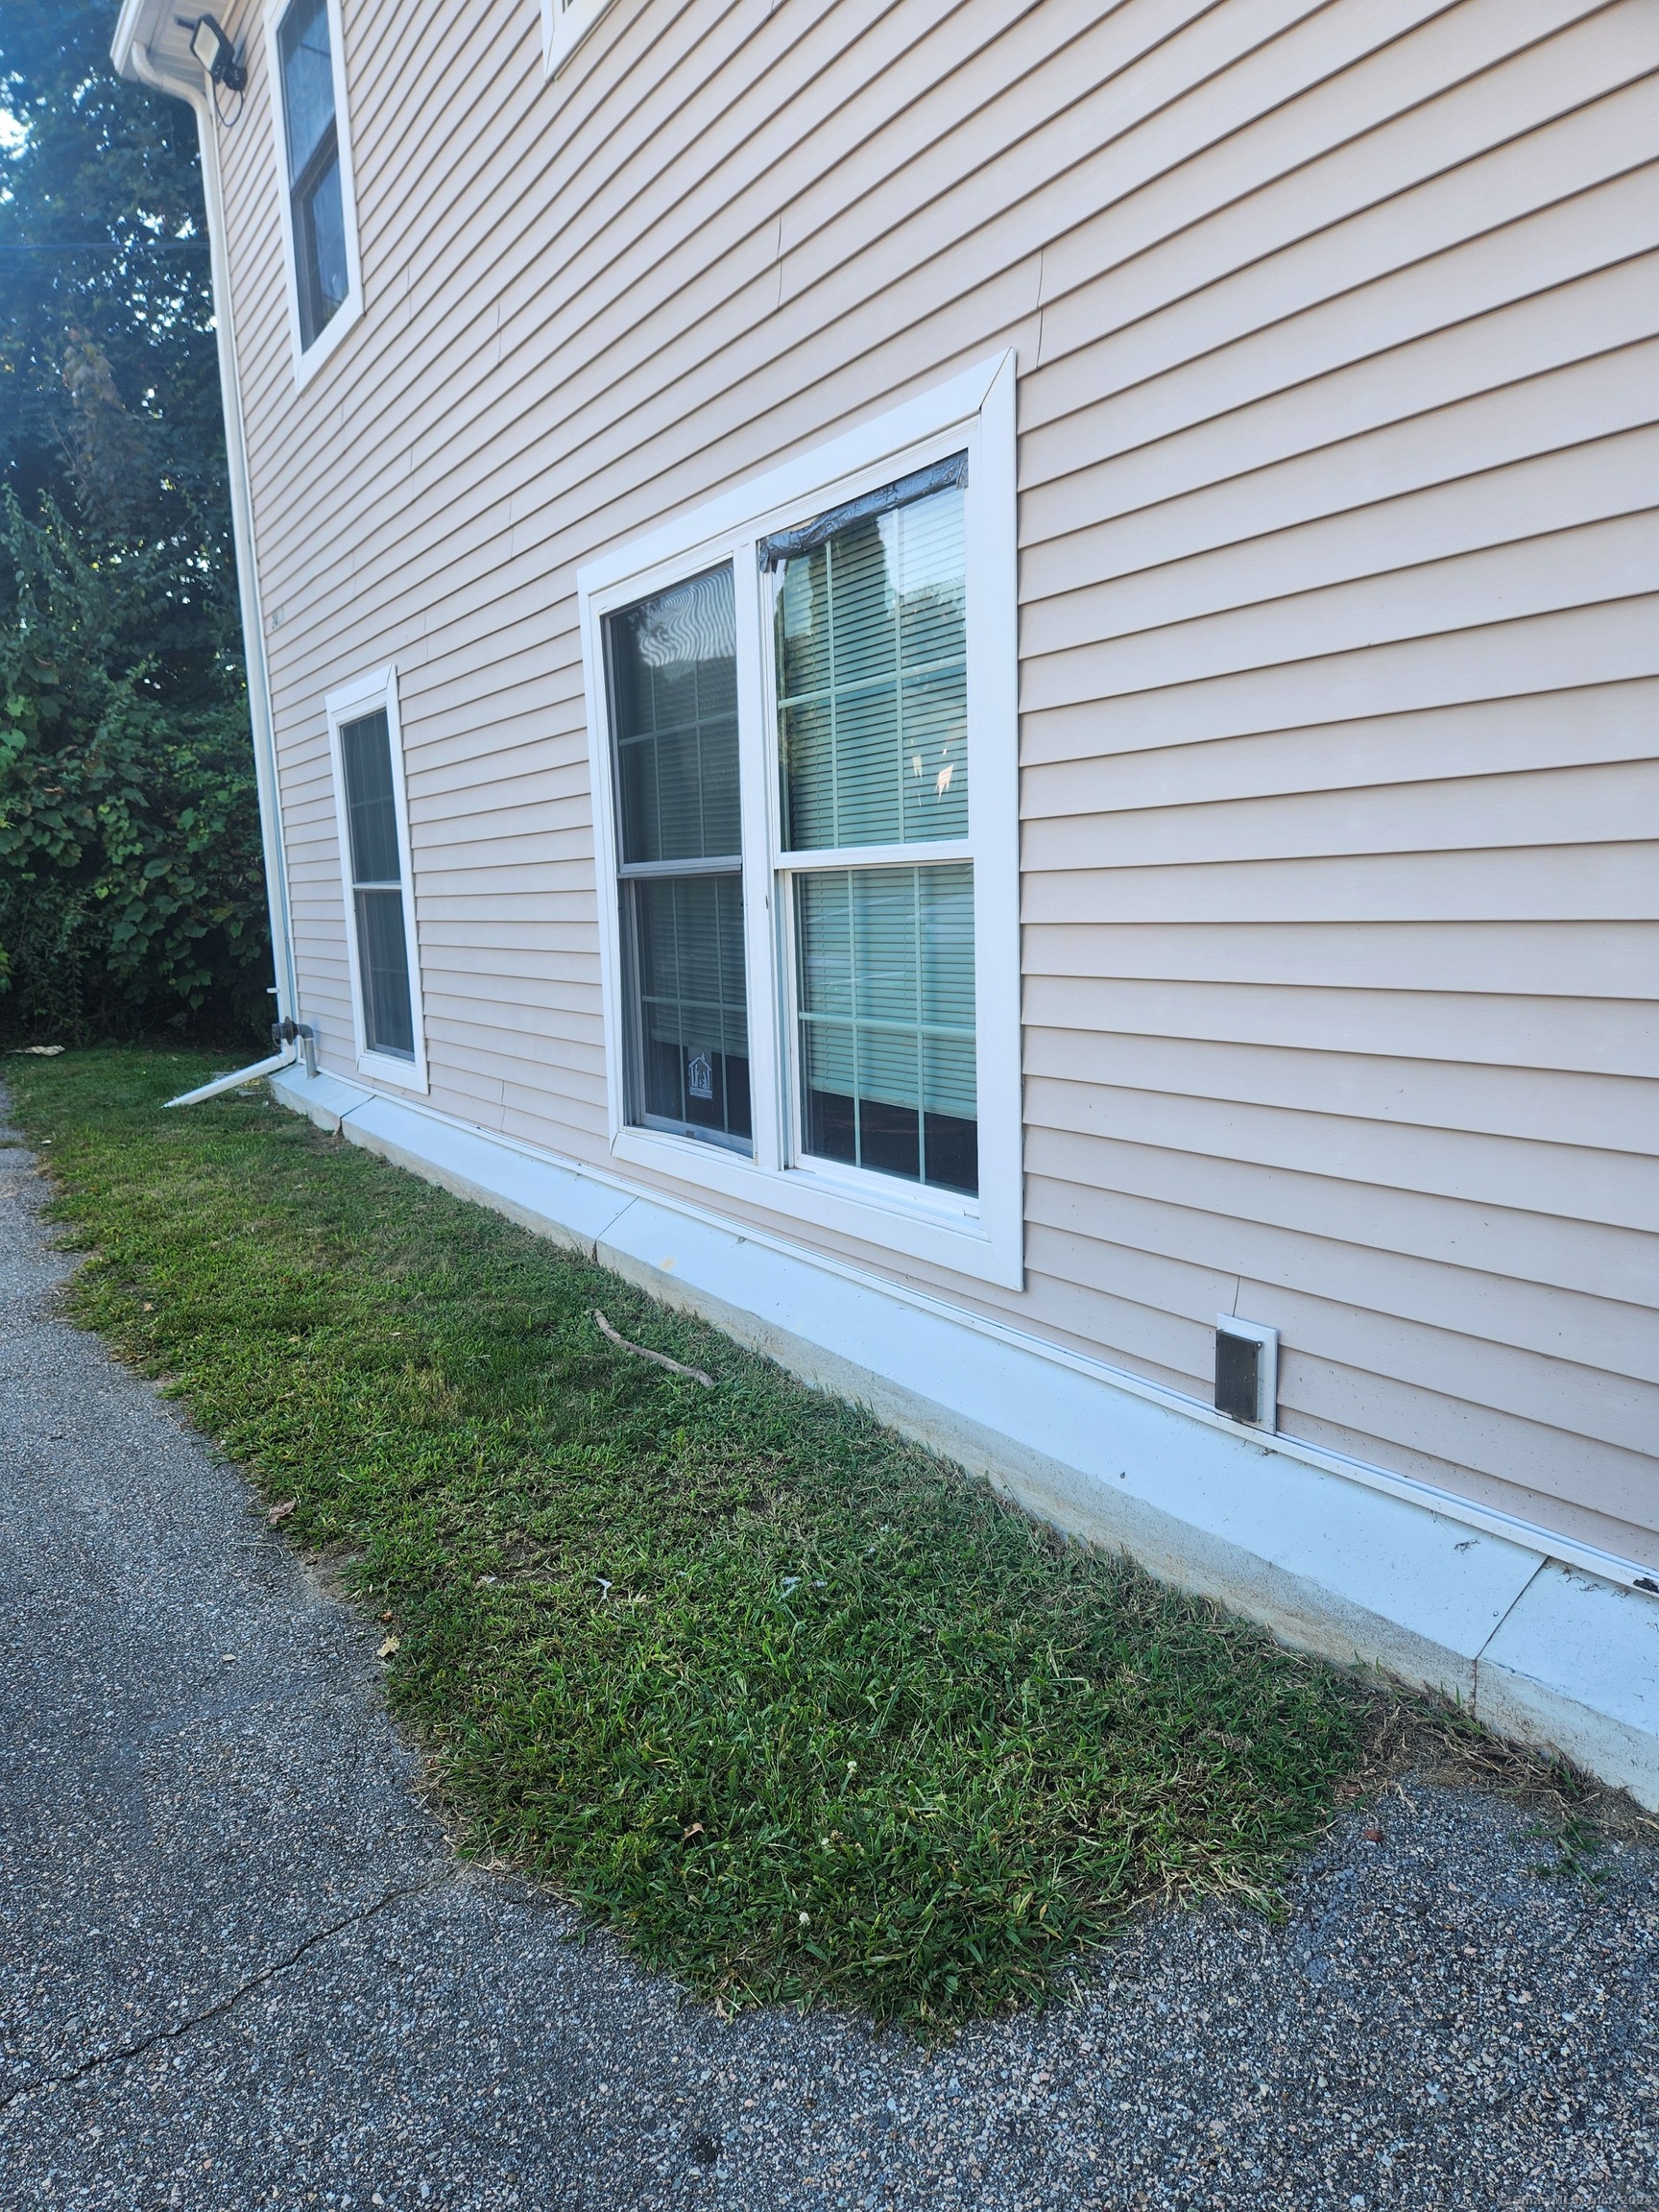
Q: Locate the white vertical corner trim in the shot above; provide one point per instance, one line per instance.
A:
(308, 359)
(978, 1237)
(363, 695)
(564, 24)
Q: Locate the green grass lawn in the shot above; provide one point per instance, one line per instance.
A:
(796, 1709)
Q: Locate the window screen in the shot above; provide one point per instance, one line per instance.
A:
(870, 639)
(375, 857)
(315, 192)
(672, 671)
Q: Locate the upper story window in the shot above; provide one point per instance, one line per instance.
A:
(325, 289)
(564, 24)
(807, 809)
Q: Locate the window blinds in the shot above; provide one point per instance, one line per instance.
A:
(872, 675)
(672, 662)
(886, 1018)
(872, 681)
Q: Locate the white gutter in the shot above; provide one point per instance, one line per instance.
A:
(179, 77)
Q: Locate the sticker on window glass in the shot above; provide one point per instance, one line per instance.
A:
(699, 1076)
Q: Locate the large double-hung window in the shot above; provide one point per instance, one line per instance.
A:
(804, 737)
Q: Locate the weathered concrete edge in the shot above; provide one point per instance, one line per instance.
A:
(1547, 1653)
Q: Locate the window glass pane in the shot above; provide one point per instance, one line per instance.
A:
(886, 1011)
(674, 707)
(872, 679)
(320, 248)
(383, 958)
(693, 1023)
(366, 755)
(307, 80)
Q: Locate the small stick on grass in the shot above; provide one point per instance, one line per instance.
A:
(662, 1359)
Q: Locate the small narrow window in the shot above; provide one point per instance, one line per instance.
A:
(672, 673)
(374, 865)
(317, 195)
(870, 670)
(377, 885)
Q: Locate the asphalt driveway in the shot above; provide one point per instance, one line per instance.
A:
(239, 1967)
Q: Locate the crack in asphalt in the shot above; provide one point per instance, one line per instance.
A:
(225, 2004)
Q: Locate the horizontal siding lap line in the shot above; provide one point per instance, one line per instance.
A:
(1416, 749)
(1487, 1239)
(1467, 440)
(1615, 801)
(1481, 371)
(1596, 565)
(1482, 886)
(1557, 1320)
(1586, 1112)
(1612, 1040)
(1566, 1182)
(1526, 500)
(1612, 642)
(1326, 1339)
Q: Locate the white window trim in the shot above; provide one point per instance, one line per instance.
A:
(563, 29)
(981, 1238)
(308, 359)
(363, 695)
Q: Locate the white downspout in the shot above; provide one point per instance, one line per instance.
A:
(259, 708)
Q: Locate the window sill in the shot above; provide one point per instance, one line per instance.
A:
(929, 1225)
(309, 359)
(382, 1067)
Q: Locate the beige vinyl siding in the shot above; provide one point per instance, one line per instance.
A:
(1338, 328)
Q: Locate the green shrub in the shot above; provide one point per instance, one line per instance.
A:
(132, 887)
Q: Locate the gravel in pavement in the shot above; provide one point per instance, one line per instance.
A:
(239, 1967)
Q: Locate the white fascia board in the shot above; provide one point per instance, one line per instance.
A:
(1335, 1557)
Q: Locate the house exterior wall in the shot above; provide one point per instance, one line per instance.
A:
(1336, 330)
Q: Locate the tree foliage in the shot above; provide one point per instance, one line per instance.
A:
(130, 887)
(131, 894)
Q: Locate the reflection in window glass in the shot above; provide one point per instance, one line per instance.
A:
(374, 852)
(672, 669)
(315, 189)
(674, 677)
(872, 681)
(688, 934)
